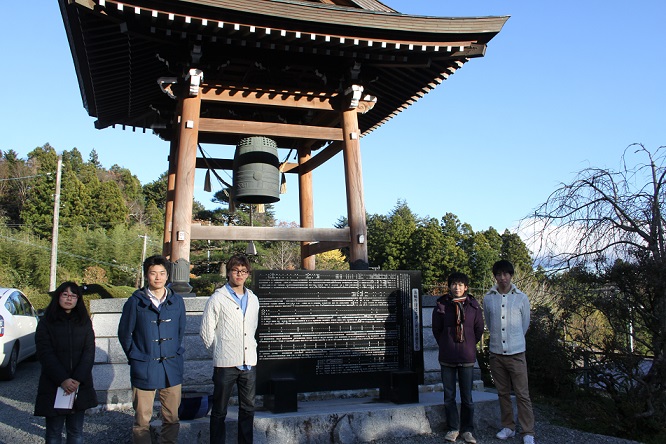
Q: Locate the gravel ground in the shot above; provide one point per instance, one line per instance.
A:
(19, 426)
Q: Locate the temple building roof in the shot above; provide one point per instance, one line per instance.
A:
(129, 55)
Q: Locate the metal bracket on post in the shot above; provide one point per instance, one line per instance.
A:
(366, 104)
(353, 96)
(166, 85)
(194, 77)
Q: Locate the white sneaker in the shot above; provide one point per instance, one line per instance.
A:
(469, 438)
(451, 435)
(506, 433)
(528, 439)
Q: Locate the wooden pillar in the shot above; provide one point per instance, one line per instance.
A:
(184, 183)
(306, 205)
(358, 249)
(168, 206)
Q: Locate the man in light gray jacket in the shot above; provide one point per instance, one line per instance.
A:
(507, 313)
(228, 325)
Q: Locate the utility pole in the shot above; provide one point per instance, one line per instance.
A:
(143, 258)
(251, 249)
(56, 222)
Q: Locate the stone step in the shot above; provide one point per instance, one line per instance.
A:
(344, 421)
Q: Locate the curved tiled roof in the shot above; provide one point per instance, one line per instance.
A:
(120, 49)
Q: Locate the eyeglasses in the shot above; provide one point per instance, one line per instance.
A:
(69, 296)
(239, 272)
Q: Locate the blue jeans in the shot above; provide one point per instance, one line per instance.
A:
(464, 422)
(54, 425)
(224, 379)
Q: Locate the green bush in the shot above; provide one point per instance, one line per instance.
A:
(483, 358)
(548, 360)
(39, 300)
(206, 284)
(107, 291)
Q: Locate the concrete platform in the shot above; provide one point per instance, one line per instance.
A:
(345, 421)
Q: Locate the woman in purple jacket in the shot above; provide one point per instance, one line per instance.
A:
(457, 324)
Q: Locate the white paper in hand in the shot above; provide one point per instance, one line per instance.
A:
(64, 400)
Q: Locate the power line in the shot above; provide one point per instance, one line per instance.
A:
(151, 242)
(24, 177)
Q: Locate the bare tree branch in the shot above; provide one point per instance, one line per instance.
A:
(610, 225)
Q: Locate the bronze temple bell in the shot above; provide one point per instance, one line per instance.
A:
(256, 175)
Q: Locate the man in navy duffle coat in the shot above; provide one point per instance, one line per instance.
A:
(151, 333)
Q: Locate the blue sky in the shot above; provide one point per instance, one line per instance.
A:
(564, 86)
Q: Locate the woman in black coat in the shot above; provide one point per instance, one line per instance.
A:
(66, 349)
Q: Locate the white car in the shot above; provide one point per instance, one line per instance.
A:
(18, 323)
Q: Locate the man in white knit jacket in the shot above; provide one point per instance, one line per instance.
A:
(228, 327)
(507, 313)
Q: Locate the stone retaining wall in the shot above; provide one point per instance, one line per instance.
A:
(111, 371)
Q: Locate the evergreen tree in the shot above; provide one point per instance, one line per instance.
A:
(454, 233)
(89, 174)
(427, 252)
(400, 225)
(482, 255)
(15, 179)
(72, 161)
(154, 217)
(131, 190)
(127, 182)
(37, 212)
(494, 239)
(93, 159)
(76, 208)
(515, 251)
(110, 206)
(156, 191)
(452, 227)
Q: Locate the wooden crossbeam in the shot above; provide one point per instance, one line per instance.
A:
(322, 247)
(315, 161)
(321, 157)
(269, 129)
(340, 236)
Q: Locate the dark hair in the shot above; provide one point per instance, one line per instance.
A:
(155, 260)
(54, 310)
(503, 266)
(457, 276)
(238, 259)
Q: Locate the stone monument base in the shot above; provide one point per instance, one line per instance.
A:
(345, 421)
